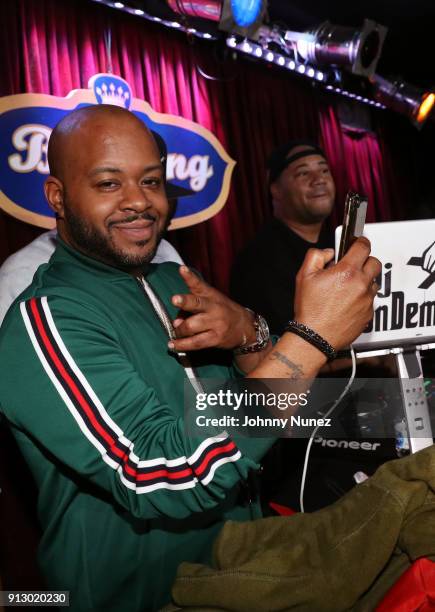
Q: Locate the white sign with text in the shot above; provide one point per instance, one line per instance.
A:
(405, 303)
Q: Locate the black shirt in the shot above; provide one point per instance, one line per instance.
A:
(263, 275)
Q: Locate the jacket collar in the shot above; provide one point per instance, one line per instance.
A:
(65, 254)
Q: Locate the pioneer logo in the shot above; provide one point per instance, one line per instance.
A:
(352, 444)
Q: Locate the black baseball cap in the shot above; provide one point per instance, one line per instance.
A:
(279, 159)
(172, 191)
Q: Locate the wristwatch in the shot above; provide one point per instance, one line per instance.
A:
(262, 336)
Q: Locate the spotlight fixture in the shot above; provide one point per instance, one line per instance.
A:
(242, 17)
(405, 99)
(334, 45)
(205, 9)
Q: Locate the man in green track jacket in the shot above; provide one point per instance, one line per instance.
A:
(93, 391)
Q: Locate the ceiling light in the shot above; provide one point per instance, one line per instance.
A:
(405, 99)
(357, 50)
(242, 17)
(205, 9)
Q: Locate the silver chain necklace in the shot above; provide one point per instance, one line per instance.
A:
(165, 320)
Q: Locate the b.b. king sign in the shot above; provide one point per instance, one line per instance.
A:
(404, 307)
(196, 159)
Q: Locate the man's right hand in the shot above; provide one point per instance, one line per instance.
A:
(337, 302)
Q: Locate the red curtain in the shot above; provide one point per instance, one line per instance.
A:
(359, 165)
(53, 46)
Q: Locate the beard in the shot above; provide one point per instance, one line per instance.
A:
(101, 246)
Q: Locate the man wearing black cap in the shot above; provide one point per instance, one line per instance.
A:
(302, 191)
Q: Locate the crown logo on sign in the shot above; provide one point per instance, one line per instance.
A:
(113, 95)
(111, 89)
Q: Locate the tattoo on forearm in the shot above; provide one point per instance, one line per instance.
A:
(295, 370)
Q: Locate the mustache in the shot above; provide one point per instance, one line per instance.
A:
(145, 215)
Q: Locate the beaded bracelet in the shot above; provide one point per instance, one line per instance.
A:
(312, 337)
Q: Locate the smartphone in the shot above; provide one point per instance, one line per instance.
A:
(355, 210)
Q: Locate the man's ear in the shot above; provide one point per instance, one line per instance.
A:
(275, 191)
(54, 192)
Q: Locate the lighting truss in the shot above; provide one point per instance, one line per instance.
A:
(176, 25)
(287, 59)
(260, 52)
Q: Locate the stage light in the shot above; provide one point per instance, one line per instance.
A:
(139, 12)
(281, 60)
(269, 56)
(118, 5)
(425, 107)
(258, 51)
(357, 50)
(245, 12)
(205, 9)
(242, 17)
(405, 99)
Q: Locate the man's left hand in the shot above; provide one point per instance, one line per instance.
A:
(214, 321)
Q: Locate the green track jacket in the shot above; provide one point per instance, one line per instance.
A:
(96, 403)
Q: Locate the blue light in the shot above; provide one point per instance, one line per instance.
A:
(245, 12)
